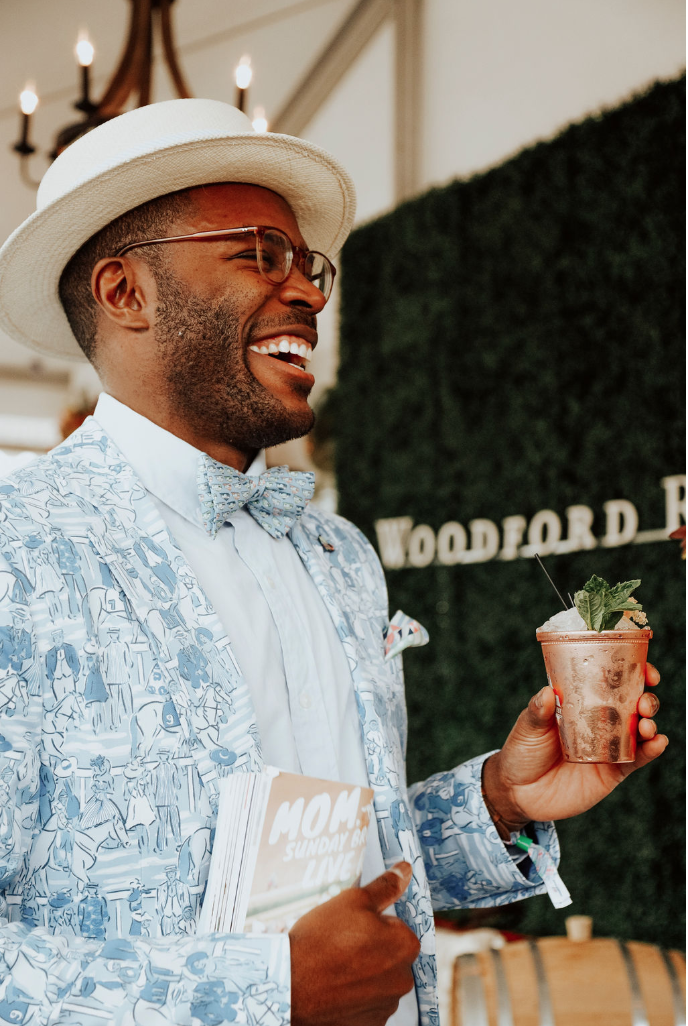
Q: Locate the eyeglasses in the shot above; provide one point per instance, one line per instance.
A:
(275, 254)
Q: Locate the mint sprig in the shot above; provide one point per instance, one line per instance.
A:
(601, 605)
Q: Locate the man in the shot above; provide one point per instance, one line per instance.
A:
(191, 258)
(117, 669)
(166, 784)
(172, 900)
(61, 666)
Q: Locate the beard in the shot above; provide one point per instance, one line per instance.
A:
(207, 377)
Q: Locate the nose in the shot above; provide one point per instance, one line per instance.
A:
(297, 291)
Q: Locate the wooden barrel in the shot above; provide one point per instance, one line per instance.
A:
(557, 982)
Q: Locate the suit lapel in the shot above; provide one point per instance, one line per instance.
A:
(358, 638)
(357, 627)
(124, 524)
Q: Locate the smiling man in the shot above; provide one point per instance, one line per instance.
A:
(223, 622)
(232, 330)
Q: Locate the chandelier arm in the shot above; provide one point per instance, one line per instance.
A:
(124, 80)
(176, 73)
(24, 173)
(146, 56)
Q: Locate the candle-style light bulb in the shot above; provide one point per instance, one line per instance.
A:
(28, 100)
(84, 49)
(243, 73)
(260, 123)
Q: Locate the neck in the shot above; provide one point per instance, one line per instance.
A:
(223, 452)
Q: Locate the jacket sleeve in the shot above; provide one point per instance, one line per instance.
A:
(57, 978)
(467, 863)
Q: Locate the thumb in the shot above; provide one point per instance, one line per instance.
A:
(536, 718)
(536, 721)
(384, 890)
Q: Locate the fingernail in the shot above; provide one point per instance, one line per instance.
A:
(403, 871)
(539, 698)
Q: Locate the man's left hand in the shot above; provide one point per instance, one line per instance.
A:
(529, 778)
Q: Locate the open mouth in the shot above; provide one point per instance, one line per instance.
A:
(290, 349)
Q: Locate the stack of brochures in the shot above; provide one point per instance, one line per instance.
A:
(284, 843)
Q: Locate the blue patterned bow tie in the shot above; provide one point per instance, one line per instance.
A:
(275, 499)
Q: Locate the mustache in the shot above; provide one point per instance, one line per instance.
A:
(279, 325)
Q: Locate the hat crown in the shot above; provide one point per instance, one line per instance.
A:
(136, 134)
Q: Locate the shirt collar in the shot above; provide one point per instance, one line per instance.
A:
(165, 464)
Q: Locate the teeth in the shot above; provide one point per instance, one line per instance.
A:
(284, 344)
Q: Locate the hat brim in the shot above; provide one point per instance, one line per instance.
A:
(316, 187)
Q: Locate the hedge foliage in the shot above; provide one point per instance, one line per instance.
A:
(512, 343)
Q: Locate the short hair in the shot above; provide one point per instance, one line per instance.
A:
(152, 220)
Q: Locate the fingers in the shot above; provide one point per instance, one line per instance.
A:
(648, 704)
(652, 676)
(647, 708)
(647, 752)
(407, 946)
(388, 888)
(647, 729)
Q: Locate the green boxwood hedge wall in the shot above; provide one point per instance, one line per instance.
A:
(508, 344)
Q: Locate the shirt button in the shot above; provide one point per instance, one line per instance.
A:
(305, 700)
(270, 583)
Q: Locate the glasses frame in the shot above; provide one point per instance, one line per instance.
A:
(297, 258)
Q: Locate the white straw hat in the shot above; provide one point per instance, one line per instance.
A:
(135, 157)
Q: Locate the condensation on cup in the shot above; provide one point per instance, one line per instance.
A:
(598, 679)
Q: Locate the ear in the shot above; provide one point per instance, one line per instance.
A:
(124, 292)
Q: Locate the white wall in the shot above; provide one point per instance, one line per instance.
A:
(356, 124)
(504, 73)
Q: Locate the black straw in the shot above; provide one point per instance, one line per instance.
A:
(551, 581)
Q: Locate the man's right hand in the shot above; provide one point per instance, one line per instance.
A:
(350, 964)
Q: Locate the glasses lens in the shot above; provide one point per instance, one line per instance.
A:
(318, 269)
(274, 255)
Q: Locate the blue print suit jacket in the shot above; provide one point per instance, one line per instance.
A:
(113, 742)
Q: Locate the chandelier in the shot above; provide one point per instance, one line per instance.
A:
(132, 78)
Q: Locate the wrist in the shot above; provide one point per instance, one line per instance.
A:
(504, 812)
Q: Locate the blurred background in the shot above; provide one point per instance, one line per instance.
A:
(500, 368)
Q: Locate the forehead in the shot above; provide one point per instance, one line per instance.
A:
(239, 205)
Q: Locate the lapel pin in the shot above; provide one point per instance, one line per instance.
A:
(327, 545)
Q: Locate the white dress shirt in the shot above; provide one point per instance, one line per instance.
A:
(282, 636)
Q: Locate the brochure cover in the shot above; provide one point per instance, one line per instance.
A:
(284, 843)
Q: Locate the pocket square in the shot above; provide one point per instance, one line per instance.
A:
(403, 632)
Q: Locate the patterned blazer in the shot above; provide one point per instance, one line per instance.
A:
(109, 780)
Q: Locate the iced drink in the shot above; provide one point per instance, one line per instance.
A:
(598, 678)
